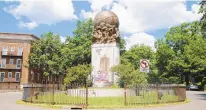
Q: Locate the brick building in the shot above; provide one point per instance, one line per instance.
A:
(15, 49)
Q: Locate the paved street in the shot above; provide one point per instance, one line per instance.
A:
(198, 102)
(8, 102)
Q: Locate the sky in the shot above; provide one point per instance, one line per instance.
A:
(141, 21)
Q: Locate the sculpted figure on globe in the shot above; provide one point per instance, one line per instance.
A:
(106, 28)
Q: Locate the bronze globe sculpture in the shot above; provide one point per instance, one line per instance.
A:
(106, 17)
(106, 28)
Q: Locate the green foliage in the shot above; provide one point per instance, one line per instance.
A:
(77, 49)
(45, 55)
(78, 74)
(122, 46)
(202, 10)
(138, 52)
(181, 52)
(135, 53)
(114, 86)
(129, 75)
(205, 87)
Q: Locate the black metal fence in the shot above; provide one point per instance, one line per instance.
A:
(56, 94)
(78, 94)
(154, 93)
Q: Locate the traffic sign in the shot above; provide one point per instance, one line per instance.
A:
(144, 65)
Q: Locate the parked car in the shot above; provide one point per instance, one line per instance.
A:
(193, 87)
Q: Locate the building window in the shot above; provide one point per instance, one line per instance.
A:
(17, 76)
(12, 49)
(5, 49)
(3, 63)
(18, 63)
(1, 77)
(20, 50)
(11, 61)
(9, 74)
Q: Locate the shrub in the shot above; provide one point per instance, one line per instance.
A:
(130, 75)
(205, 87)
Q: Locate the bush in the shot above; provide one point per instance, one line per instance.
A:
(199, 84)
(130, 75)
(205, 87)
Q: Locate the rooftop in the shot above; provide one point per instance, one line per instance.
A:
(18, 36)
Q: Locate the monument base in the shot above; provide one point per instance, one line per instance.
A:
(104, 57)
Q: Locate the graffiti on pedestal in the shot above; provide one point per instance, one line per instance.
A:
(101, 77)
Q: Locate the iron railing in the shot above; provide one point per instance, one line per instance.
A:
(57, 94)
(80, 94)
(154, 94)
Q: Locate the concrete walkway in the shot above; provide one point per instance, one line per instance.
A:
(198, 102)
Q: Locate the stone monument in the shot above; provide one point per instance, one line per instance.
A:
(105, 48)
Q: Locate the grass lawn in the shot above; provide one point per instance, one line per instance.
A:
(105, 102)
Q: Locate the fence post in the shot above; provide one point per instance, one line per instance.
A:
(157, 93)
(31, 92)
(125, 94)
(53, 93)
(86, 94)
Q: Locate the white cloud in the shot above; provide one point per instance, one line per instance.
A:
(88, 14)
(63, 39)
(140, 38)
(137, 16)
(29, 25)
(96, 6)
(42, 12)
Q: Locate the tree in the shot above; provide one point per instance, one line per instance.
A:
(122, 46)
(136, 53)
(164, 55)
(175, 53)
(129, 75)
(45, 56)
(77, 49)
(78, 74)
(131, 60)
(202, 10)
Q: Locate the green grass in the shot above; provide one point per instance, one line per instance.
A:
(41, 105)
(63, 99)
(102, 106)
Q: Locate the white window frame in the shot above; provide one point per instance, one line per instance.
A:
(12, 61)
(4, 50)
(12, 49)
(19, 76)
(2, 63)
(10, 74)
(20, 52)
(3, 77)
(17, 63)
